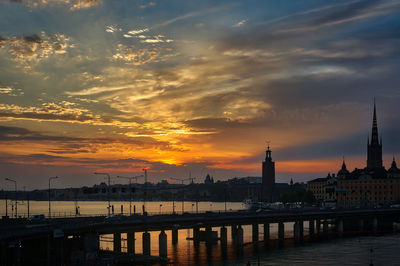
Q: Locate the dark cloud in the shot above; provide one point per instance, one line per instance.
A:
(33, 38)
(346, 12)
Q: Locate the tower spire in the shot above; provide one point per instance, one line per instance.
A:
(375, 146)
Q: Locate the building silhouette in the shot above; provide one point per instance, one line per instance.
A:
(372, 186)
(268, 177)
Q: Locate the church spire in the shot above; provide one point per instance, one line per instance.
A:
(344, 165)
(374, 159)
(374, 135)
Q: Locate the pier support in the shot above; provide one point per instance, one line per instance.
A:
(311, 227)
(340, 228)
(233, 232)
(375, 225)
(162, 244)
(209, 233)
(301, 229)
(281, 231)
(146, 243)
(131, 242)
(117, 242)
(296, 230)
(255, 232)
(318, 226)
(325, 227)
(91, 243)
(196, 235)
(266, 232)
(174, 236)
(239, 237)
(361, 225)
(224, 236)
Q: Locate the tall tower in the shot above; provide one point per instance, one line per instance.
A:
(374, 159)
(268, 177)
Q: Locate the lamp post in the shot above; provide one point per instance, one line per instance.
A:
(108, 190)
(145, 191)
(130, 189)
(183, 190)
(50, 178)
(16, 202)
(160, 208)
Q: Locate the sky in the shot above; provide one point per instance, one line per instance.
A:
(186, 88)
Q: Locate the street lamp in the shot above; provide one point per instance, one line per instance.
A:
(108, 190)
(16, 202)
(145, 191)
(53, 177)
(183, 189)
(130, 189)
(160, 208)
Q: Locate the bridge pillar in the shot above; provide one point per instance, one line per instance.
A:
(318, 226)
(311, 227)
(224, 236)
(375, 225)
(174, 236)
(296, 230)
(340, 227)
(281, 231)
(91, 243)
(209, 233)
(117, 242)
(266, 232)
(162, 244)
(233, 231)
(146, 243)
(131, 242)
(361, 225)
(325, 227)
(255, 232)
(196, 237)
(239, 237)
(301, 229)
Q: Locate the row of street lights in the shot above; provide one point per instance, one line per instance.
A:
(16, 191)
(108, 192)
(130, 189)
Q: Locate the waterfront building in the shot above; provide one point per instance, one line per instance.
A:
(372, 186)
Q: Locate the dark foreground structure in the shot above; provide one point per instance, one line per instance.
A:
(75, 241)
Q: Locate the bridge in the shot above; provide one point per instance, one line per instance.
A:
(56, 239)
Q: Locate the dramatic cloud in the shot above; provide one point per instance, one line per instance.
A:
(31, 49)
(71, 4)
(135, 56)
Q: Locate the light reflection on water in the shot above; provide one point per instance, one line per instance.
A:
(67, 208)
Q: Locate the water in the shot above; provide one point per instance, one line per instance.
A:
(91, 208)
(346, 251)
